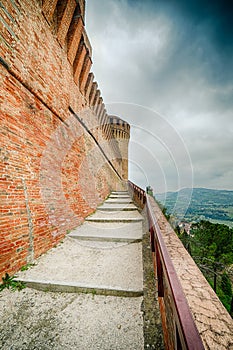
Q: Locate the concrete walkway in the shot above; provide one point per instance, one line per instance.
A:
(103, 258)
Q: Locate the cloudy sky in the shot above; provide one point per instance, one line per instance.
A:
(166, 66)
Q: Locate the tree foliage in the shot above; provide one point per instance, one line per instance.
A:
(211, 246)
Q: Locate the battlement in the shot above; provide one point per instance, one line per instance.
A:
(64, 23)
(120, 128)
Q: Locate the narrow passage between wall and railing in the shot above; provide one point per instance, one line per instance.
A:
(180, 331)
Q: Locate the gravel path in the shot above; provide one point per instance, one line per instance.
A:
(35, 320)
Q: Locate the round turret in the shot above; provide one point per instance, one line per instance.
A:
(121, 133)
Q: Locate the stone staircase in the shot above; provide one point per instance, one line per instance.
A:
(103, 257)
(104, 254)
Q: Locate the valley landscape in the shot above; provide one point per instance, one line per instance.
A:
(193, 205)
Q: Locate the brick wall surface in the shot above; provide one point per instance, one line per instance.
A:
(52, 172)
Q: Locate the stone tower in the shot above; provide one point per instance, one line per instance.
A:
(121, 133)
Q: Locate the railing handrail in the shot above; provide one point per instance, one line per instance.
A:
(189, 330)
(186, 323)
(141, 194)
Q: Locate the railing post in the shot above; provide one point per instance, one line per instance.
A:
(159, 267)
(152, 239)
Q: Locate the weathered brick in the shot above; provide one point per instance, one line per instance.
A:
(65, 21)
(79, 61)
(51, 172)
(84, 73)
(48, 8)
(74, 36)
(92, 93)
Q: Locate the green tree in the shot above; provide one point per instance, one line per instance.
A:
(213, 242)
(211, 246)
(226, 284)
(185, 238)
(225, 292)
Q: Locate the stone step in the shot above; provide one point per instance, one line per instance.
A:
(115, 232)
(111, 216)
(72, 287)
(117, 207)
(119, 200)
(125, 196)
(104, 219)
(120, 192)
(78, 265)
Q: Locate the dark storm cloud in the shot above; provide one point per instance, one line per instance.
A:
(176, 58)
(202, 33)
(214, 15)
(210, 25)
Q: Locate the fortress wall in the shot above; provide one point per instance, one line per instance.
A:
(52, 171)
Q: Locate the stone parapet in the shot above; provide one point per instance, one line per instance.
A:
(212, 320)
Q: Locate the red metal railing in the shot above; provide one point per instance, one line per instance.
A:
(179, 327)
(138, 195)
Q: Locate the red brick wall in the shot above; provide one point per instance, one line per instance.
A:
(52, 173)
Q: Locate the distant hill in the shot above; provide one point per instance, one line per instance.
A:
(199, 203)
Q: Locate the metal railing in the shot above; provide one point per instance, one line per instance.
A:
(179, 327)
(138, 195)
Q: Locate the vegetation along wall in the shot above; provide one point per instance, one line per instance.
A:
(59, 158)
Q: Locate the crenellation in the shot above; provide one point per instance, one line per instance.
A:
(106, 128)
(106, 132)
(95, 100)
(65, 21)
(79, 61)
(74, 36)
(101, 113)
(48, 9)
(84, 73)
(59, 13)
(81, 4)
(92, 93)
(99, 107)
(88, 85)
(87, 42)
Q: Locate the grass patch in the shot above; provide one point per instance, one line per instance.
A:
(10, 283)
(26, 267)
